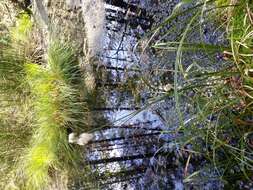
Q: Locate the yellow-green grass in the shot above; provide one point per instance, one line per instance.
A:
(38, 104)
(55, 102)
(23, 27)
(16, 114)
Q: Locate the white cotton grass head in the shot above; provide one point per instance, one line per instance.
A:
(72, 138)
(82, 139)
(94, 18)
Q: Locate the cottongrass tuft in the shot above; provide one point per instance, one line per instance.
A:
(81, 140)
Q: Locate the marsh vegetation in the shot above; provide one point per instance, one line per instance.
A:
(126, 94)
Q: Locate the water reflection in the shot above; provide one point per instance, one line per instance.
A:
(134, 152)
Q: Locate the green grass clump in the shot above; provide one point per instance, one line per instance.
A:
(38, 104)
(55, 102)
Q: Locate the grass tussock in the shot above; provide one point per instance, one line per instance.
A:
(57, 106)
(39, 103)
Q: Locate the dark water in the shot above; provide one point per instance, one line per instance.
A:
(135, 150)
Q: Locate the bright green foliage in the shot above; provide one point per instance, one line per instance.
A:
(222, 2)
(22, 29)
(46, 99)
(53, 96)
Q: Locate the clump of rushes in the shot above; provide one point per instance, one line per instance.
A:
(38, 104)
(57, 105)
(219, 128)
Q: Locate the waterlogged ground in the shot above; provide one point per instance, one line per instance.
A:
(135, 149)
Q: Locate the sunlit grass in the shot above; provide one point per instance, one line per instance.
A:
(22, 29)
(38, 104)
(56, 104)
(16, 114)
